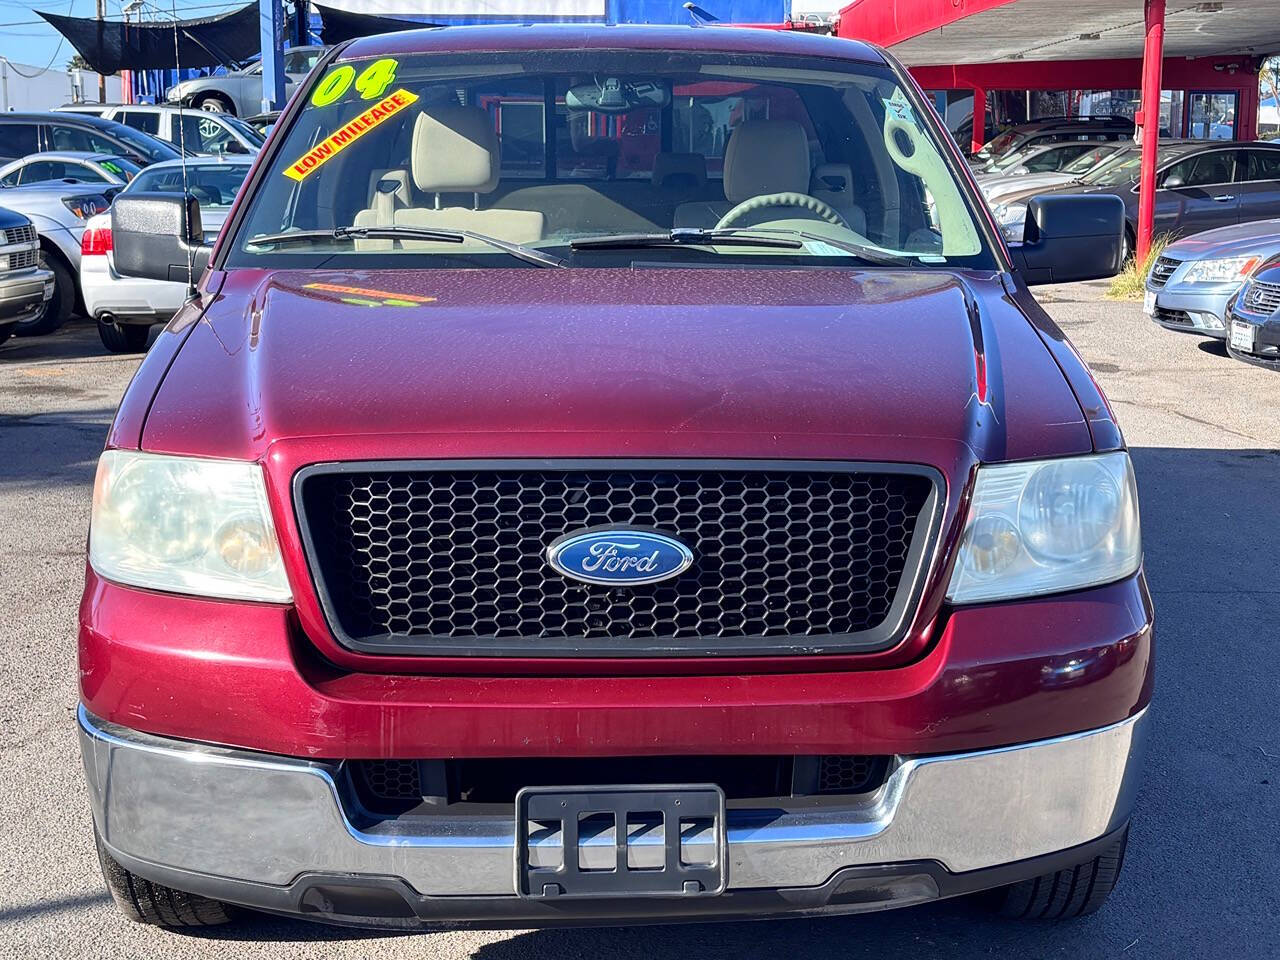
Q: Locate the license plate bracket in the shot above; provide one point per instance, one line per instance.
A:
(1242, 336)
(1149, 303)
(664, 841)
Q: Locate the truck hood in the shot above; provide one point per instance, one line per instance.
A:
(628, 362)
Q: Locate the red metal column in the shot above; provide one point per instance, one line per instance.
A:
(979, 119)
(1149, 118)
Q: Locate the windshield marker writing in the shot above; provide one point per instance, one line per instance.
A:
(314, 158)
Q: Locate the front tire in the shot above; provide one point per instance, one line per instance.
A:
(1065, 894)
(123, 337)
(58, 309)
(145, 902)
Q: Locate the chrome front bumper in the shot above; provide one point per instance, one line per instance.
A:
(241, 825)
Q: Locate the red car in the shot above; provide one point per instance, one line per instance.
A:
(501, 537)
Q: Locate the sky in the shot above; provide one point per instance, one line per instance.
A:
(26, 39)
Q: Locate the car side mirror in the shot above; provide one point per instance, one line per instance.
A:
(1173, 180)
(1071, 237)
(158, 236)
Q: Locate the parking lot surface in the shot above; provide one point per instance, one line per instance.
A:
(1200, 879)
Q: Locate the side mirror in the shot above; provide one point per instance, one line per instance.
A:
(158, 236)
(1071, 237)
(1019, 171)
(1173, 180)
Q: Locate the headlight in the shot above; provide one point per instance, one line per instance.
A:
(1219, 271)
(1047, 526)
(1012, 218)
(4, 262)
(185, 525)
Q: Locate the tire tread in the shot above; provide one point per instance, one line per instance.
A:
(1068, 893)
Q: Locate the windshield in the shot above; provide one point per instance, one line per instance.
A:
(1088, 160)
(212, 184)
(148, 147)
(559, 146)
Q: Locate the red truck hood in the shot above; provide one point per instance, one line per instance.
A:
(614, 362)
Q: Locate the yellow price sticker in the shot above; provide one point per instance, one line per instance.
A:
(370, 84)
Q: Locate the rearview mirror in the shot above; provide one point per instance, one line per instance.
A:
(158, 236)
(1071, 237)
(616, 95)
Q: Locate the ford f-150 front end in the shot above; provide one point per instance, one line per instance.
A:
(612, 475)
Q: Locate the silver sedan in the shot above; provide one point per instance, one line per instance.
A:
(1192, 281)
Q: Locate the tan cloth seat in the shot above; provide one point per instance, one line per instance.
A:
(454, 150)
(833, 185)
(763, 156)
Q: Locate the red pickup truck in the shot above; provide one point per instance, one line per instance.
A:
(501, 535)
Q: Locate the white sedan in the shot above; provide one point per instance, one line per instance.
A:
(126, 307)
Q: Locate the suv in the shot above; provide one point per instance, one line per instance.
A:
(506, 533)
(1052, 130)
(26, 133)
(25, 287)
(197, 130)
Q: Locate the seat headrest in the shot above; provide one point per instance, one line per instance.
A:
(455, 150)
(685, 171)
(766, 156)
(833, 178)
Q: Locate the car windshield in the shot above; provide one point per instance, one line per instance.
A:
(247, 130)
(829, 158)
(212, 184)
(121, 167)
(1088, 160)
(150, 148)
(1012, 159)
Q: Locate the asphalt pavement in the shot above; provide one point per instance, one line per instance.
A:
(1201, 875)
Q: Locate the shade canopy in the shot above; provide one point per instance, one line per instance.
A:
(109, 46)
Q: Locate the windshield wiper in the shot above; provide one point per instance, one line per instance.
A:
(863, 251)
(528, 254)
(732, 237)
(681, 237)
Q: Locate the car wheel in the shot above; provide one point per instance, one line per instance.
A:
(1065, 894)
(123, 337)
(214, 103)
(146, 902)
(58, 310)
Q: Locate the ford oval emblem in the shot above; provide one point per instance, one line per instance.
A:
(619, 556)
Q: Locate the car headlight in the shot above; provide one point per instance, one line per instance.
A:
(1047, 526)
(1012, 218)
(186, 525)
(1219, 271)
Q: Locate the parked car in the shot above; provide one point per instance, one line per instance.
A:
(1054, 130)
(263, 122)
(240, 91)
(1192, 281)
(22, 134)
(198, 131)
(739, 540)
(25, 286)
(996, 189)
(1042, 158)
(1253, 318)
(69, 166)
(1200, 185)
(59, 211)
(125, 308)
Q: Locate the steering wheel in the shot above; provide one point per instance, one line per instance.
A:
(803, 201)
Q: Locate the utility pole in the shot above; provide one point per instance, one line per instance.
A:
(102, 81)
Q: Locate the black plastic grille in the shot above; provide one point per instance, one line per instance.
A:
(419, 558)
(392, 779)
(1262, 298)
(847, 773)
(23, 234)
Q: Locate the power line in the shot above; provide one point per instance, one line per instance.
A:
(56, 50)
